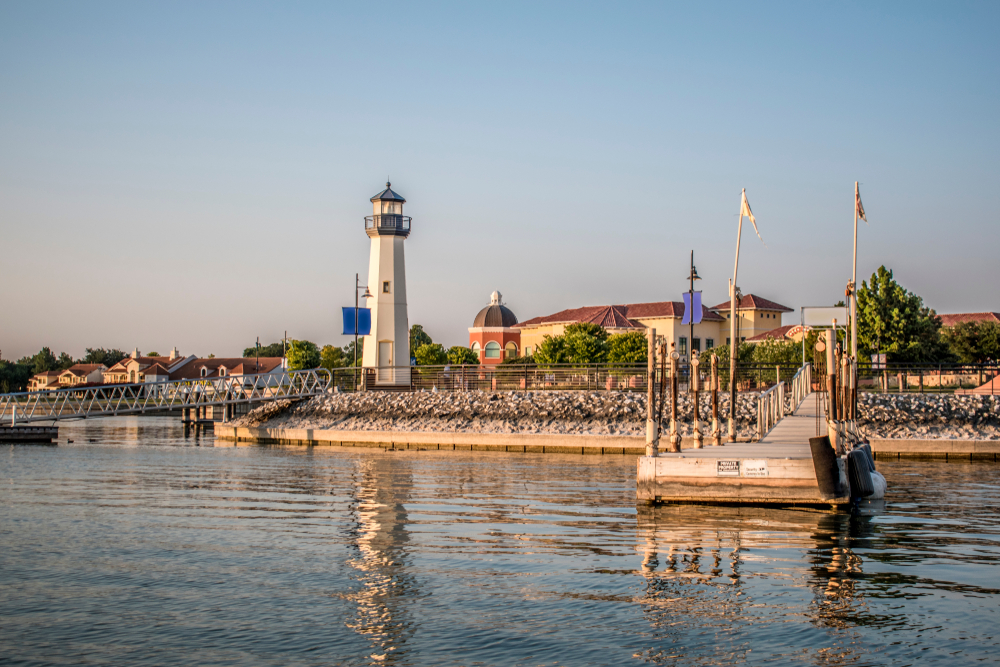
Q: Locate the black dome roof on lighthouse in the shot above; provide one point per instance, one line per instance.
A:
(496, 314)
(388, 194)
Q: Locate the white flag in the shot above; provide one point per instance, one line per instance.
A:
(745, 210)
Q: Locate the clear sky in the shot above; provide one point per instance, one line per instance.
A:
(195, 174)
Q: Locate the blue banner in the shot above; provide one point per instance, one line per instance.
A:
(689, 310)
(364, 321)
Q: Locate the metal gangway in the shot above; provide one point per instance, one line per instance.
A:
(771, 406)
(123, 399)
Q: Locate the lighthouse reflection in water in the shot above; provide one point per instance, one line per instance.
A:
(380, 540)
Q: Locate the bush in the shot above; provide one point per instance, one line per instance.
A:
(459, 355)
(302, 355)
(431, 354)
(628, 349)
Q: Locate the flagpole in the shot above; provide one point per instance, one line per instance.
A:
(854, 297)
(733, 343)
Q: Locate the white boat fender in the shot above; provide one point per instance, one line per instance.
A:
(878, 481)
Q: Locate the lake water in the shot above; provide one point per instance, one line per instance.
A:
(137, 546)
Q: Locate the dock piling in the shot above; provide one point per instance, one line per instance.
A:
(716, 433)
(652, 428)
(695, 388)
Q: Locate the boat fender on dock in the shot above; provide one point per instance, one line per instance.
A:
(828, 476)
(859, 474)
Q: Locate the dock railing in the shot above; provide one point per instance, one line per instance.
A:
(770, 409)
(801, 386)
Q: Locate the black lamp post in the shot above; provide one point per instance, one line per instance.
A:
(692, 277)
(366, 295)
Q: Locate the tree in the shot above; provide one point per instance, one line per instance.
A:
(152, 354)
(628, 349)
(272, 350)
(744, 354)
(349, 353)
(974, 342)
(14, 376)
(552, 350)
(43, 360)
(418, 337)
(586, 343)
(459, 355)
(64, 361)
(431, 354)
(99, 355)
(526, 360)
(331, 357)
(895, 322)
(302, 355)
(778, 353)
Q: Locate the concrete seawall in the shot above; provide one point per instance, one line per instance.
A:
(884, 449)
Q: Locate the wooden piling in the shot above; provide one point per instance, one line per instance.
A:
(652, 428)
(716, 433)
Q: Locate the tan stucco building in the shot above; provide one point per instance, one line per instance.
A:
(756, 316)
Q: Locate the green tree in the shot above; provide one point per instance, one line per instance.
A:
(349, 352)
(431, 354)
(302, 355)
(64, 361)
(778, 353)
(152, 354)
(552, 350)
(628, 349)
(894, 321)
(14, 376)
(418, 337)
(331, 357)
(99, 355)
(272, 350)
(43, 360)
(586, 343)
(459, 355)
(526, 360)
(974, 342)
(744, 354)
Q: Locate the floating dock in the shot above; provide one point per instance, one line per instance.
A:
(29, 434)
(777, 470)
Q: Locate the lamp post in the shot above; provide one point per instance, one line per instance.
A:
(692, 277)
(366, 295)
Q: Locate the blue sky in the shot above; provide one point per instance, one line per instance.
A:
(196, 174)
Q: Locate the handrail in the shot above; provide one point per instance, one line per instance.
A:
(801, 386)
(770, 409)
(80, 403)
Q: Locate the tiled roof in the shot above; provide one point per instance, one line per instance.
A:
(754, 302)
(959, 318)
(86, 368)
(619, 317)
(776, 334)
(193, 369)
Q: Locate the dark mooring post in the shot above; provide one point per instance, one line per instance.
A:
(716, 432)
(831, 387)
(675, 438)
(663, 387)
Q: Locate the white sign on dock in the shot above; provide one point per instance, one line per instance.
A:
(727, 469)
(754, 468)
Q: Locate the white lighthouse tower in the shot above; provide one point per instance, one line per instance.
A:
(388, 346)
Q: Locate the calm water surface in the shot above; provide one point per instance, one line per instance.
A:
(137, 546)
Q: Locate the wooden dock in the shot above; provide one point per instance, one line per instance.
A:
(34, 435)
(776, 470)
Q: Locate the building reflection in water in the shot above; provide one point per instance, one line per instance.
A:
(697, 599)
(386, 588)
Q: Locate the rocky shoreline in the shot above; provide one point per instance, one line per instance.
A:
(929, 416)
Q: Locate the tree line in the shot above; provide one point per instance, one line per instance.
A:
(14, 375)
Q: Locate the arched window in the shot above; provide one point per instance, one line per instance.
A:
(475, 348)
(492, 350)
(222, 371)
(204, 371)
(510, 350)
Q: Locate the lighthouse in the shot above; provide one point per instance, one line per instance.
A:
(387, 348)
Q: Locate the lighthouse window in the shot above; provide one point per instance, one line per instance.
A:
(385, 287)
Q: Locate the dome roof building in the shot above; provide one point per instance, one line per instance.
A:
(496, 314)
(493, 336)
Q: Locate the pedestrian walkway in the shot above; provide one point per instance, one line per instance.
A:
(808, 421)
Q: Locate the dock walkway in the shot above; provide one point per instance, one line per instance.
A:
(776, 470)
